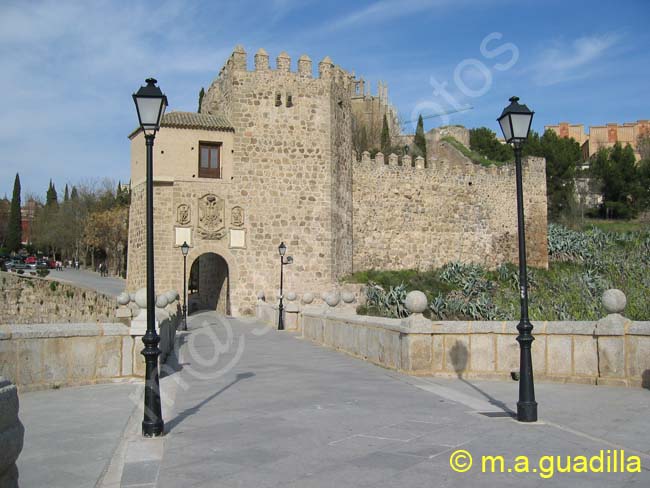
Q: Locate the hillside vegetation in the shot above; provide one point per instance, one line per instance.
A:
(583, 264)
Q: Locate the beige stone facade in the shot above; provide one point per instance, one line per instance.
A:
(288, 174)
(604, 136)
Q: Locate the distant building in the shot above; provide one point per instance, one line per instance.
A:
(27, 213)
(600, 136)
(5, 206)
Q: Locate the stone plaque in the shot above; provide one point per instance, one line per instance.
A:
(237, 238)
(183, 214)
(211, 224)
(237, 217)
(183, 234)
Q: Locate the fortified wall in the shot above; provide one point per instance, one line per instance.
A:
(409, 216)
(287, 173)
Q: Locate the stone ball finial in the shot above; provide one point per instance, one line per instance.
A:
(261, 295)
(262, 52)
(332, 299)
(416, 302)
(239, 49)
(291, 296)
(307, 298)
(614, 301)
(161, 301)
(141, 298)
(347, 297)
(123, 298)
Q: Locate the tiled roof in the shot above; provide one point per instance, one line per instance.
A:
(192, 120)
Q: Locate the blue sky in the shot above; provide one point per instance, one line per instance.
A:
(68, 69)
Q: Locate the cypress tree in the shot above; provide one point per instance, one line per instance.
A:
(15, 230)
(385, 137)
(51, 199)
(74, 194)
(66, 194)
(201, 95)
(419, 140)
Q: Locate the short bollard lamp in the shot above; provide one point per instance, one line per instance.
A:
(185, 249)
(282, 249)
(515, 122)
(150, 103)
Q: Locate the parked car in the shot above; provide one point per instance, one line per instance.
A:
(30, 260)
(17, 265)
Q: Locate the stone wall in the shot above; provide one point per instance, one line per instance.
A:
(32, 300)
(12, 434)
(289, 175)
(37, 356)
(612, 351)
(414, 217)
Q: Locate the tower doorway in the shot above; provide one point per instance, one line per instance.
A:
(209, 284)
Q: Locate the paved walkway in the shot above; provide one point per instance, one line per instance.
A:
(71, 433)
(259, 408)
(111, 286)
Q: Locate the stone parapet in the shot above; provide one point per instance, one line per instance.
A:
(612, 351)
(12, 434)
(39, 356)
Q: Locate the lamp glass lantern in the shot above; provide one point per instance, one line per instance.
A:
(151, 104)
(515, 121)
(185, 248)
(282, 249)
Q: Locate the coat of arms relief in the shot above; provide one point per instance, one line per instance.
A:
(211, 222)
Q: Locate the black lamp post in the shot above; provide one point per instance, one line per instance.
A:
(150, 103)
(515, 121)
(185, 249)
(282, 249)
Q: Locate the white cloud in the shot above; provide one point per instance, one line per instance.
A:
(569, 61)
(384, 10)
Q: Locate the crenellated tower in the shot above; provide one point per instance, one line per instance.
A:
(292, 149)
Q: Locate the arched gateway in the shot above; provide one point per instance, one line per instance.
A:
(209, 284)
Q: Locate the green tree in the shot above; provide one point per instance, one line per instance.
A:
(15, 230)
(66, 194)
(562, 157)
(51, 198)
(622, 192)
(419, 141)
(385, 137)
(485, 142)
(201, 95)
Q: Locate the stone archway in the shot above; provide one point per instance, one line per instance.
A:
(209, 284)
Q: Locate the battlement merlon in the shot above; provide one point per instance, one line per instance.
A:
(531, 164)
(238, 61)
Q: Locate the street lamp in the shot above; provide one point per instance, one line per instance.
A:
(282, 249)
(150, 104)
(515, 121)
(185, 249)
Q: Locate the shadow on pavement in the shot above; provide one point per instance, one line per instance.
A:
(191, 411)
